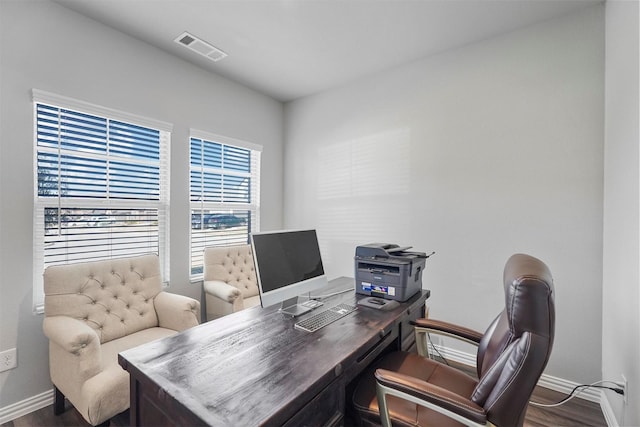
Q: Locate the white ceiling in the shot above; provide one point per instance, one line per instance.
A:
(291, 48)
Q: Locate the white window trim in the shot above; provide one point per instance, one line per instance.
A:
(43, 97)
(199, 134)
(255, 187)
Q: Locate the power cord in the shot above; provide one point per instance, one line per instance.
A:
(437, 351)
(581, 389)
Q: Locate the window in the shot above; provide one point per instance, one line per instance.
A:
(101, 185)
(224, 193)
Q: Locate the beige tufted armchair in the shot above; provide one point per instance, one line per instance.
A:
(95, 310)
(230, 283)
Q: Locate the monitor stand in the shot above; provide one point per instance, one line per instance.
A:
(292, 308)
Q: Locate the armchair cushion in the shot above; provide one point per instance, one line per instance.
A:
(95, 310)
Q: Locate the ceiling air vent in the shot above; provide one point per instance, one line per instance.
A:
(200, 46)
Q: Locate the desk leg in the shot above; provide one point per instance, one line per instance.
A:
(133, 402)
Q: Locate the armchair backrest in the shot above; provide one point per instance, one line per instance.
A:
(515, 348)
(232, 265)
(114, 297)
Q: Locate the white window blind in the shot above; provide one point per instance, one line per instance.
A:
(224, 193)
(101, 185)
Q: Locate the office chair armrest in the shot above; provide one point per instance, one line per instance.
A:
(441, 327)
(428, 395)
(221, 290)
(177, 312)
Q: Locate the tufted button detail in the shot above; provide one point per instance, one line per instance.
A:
(122, 283)
(83, 345)
(91, 276)
(128, 306)
(85, 318)
(108, 311)
(93, 303)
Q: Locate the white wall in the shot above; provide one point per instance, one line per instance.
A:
(621, 275)
(48, 47)
(475, 153)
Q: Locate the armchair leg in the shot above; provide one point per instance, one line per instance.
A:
(58, 401)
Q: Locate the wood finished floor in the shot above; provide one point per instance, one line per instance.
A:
(576, 412)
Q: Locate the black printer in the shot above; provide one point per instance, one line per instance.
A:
(388, 271)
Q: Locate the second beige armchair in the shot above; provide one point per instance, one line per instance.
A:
(230, 283)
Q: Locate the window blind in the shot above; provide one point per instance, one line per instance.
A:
(224, 194)
(101, 188)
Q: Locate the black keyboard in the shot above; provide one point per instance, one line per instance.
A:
(322, 319)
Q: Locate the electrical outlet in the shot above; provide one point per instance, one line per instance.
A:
(8, 360)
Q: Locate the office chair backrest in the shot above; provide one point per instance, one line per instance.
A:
(516, 347)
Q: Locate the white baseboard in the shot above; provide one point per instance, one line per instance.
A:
(607, 411)
(26, 406)
(546, 381)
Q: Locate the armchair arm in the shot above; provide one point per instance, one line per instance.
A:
(72, 335)
(177, 312)
(428, 395)
(74, 350)
(439, 327)
(221, 290)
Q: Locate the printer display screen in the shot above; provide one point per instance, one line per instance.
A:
(380, 289)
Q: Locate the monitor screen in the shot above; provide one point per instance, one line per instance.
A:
(288, 264)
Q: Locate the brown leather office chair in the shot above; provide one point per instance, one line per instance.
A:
(407, 389)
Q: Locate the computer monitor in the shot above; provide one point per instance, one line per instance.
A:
(288, 264)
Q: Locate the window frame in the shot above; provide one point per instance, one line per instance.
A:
(41, 203)
(253, 207)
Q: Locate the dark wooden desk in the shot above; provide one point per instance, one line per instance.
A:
(253, 367)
